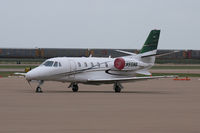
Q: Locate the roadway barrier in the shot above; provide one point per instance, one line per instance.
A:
(182, 79)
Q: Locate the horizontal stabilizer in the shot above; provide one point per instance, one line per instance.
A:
(126, 52)
(158, 55)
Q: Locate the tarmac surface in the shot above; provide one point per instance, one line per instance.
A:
(152, 106)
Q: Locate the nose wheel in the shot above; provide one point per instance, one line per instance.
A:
(39, 89)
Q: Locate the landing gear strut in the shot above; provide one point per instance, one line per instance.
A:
(117, 87)
(39, 89)
(74, 87)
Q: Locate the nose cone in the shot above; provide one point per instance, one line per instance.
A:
(28, 75)
(39, 73)
(34, 74)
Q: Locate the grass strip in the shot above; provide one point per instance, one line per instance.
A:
(6, 74)
(178, 74)
(175, 67)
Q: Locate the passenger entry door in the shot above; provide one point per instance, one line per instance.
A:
(72, 65)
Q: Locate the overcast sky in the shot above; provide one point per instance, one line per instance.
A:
(99, 23)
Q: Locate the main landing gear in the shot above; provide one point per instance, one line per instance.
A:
(117, 87)
(39, 89)
(74, 87)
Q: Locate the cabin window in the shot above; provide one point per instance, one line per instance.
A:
(79, 64)
(92, 64)
(55, 64)
(106, 64)
(60, 64)
(85, 64)
(98, 64)
(48, 63)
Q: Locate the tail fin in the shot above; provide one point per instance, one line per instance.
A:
(149, 49)
(152, 42)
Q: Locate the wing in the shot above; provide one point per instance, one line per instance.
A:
(158, 55)
(129, 79)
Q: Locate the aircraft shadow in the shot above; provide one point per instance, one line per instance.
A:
(104, 92)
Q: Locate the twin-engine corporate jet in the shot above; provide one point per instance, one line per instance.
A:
(96, 71)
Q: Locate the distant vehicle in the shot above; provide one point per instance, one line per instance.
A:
(96, 71)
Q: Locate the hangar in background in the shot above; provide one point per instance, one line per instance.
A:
(44, 53)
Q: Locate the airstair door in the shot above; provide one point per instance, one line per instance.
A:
(72, 70)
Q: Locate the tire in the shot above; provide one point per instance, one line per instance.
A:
(38, 90)
(75, 88)
(117, 89)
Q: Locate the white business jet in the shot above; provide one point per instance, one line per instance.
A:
(96, 71)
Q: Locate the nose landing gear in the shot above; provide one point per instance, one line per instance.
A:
(39, 89)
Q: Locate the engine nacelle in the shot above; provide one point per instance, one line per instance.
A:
(128, 64)
(119, 63)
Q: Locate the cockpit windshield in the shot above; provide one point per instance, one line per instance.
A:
(52, 64)
(48, 63)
